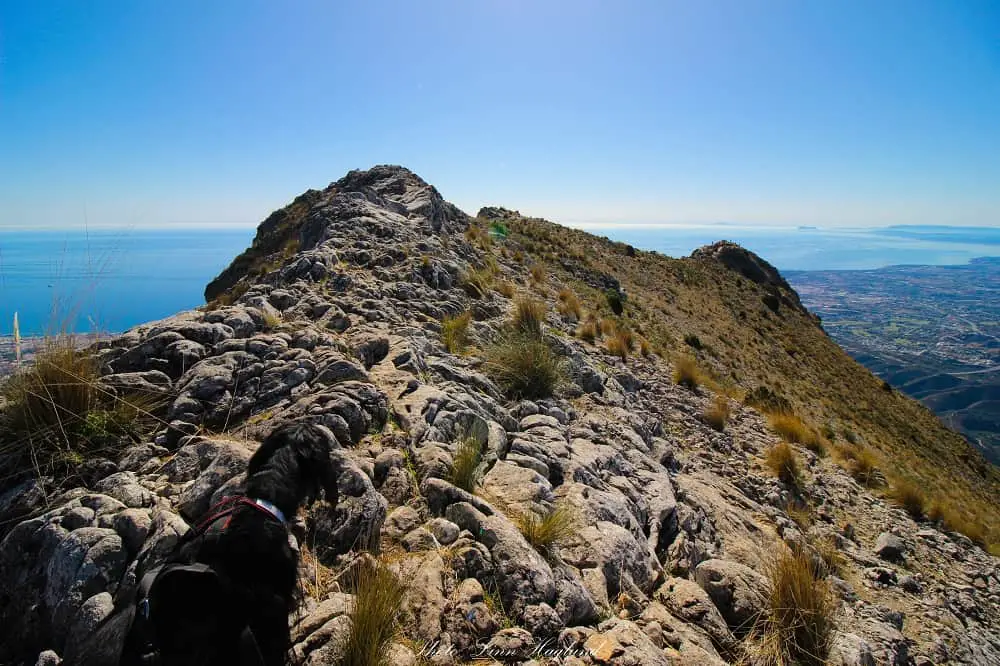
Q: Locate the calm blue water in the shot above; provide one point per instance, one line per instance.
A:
(112, 280)
(807, 249)
(108, 280)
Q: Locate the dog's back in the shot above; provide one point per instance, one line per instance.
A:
(232, 608)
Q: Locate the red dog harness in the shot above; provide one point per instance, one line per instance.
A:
(228, 506)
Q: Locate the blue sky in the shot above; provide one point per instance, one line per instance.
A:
(835, 112)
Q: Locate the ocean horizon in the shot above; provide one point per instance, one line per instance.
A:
(109, 280)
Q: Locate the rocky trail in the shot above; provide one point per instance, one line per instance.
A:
(674, 521)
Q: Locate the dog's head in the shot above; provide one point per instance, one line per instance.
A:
(294, 461)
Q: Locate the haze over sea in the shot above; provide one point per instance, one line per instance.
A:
(111, 280)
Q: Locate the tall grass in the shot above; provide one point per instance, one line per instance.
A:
(799, 623)
(465, 464)
(717, 414)
(544, 532)
(686, 372)
(569, 304)
(525, 367)
(528, 317)
(792, 429)
(56, 413)
(375, 616)
(455, 332)
(783, 464)
(909, 496)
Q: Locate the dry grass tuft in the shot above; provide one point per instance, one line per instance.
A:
(465, 464)
(505, 288)
(587, 331)
(524, 366)
(455, 332)
(686, 372)
(792, 429)
(783, 463)
(621, 342)
(800, 618)
(528, 317)
(538, 274)
(272, 320)
(477, 282)
(569, 304)
(717, 414)
(375, 616)
(544, 532)
(644, 347)
(909, 496)
(860, 462)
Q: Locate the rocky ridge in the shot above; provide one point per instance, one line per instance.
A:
(676, 520)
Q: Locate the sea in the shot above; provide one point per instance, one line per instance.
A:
(108, 280)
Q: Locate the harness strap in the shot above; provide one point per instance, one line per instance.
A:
(226, 507)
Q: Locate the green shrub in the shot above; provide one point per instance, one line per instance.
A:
(455, 332)
(524, 366)
(692, 340)
(616, 300)
(375, 616)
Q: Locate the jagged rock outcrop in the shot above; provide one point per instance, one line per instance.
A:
(674, 519)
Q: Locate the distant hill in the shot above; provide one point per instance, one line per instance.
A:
(933, 332)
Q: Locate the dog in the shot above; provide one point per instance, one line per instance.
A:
(224, 595)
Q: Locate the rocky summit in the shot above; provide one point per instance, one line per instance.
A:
(568, 450)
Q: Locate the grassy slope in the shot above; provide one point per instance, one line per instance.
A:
(745, 345)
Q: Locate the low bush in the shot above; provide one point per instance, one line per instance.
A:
(686, 372)
(692, 340)
(616, 301)
(375, 615)
(717, 414)
(783, 464)
(455, 332)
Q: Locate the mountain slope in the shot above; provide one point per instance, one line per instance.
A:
(481, 384)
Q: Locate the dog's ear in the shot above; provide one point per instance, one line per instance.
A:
(274, 441)
(326, 470)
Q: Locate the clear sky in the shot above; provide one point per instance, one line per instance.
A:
(818, 112)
